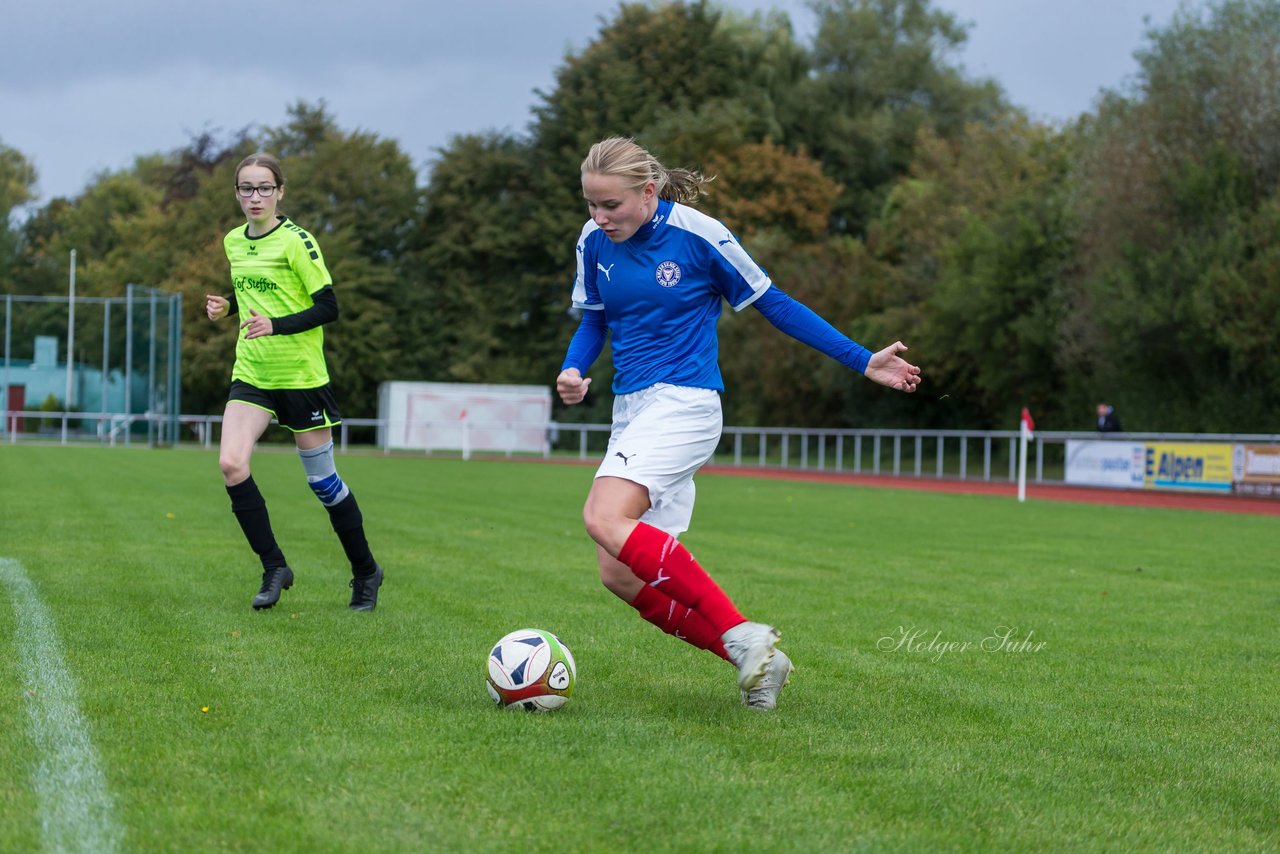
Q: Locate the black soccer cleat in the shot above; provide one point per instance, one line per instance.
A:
(364, 590)
(273, 581)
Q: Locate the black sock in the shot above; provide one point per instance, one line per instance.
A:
(251, 512)
(348, 524)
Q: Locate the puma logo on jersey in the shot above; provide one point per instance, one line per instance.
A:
(727, 239)
(624, 457)
(606, 270)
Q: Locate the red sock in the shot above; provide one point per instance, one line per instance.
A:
(658, 559)
(677, 620)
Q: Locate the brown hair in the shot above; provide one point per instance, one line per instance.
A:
(624, 157)
(262, 159)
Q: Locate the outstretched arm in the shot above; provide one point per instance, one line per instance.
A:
(803, 324)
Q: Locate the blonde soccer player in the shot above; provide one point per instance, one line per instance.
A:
(652, 275)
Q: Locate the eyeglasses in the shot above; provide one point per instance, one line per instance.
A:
(266, 191)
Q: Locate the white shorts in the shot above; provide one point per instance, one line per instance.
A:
(661, 436)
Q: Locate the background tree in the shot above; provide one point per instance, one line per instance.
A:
(779, 204)
(698, 79)
(979, 238)
(1175, 303)
(881, 71)
(1128, 255)
(491, 283)
(17, 184)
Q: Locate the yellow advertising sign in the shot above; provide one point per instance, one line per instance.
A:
(1186, 466)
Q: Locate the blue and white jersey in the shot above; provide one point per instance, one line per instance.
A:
(661, 291)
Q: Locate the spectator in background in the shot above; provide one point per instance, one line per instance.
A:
(1108, 421)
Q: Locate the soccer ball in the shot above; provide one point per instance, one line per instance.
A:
(531, 669)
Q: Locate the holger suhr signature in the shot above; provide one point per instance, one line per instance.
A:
(1007, 639)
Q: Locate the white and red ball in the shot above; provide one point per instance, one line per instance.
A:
(531, 669)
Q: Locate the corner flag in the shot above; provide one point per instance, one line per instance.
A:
(1025, 434)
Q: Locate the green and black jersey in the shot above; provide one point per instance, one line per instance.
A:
(275, 274)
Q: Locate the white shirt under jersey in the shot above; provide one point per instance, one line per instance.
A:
(661, 291)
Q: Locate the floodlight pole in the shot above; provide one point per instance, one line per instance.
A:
(106, 357)
(175, 367)
(67, 400)
(151, 372)
(8, 312)
(128, 363)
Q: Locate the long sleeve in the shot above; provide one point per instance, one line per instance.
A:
(803, 324)
(587, 341)
(324, 309)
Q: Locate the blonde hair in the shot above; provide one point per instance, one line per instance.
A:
(624, 157)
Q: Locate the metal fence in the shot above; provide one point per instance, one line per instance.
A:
(986, 455)
(120, 352)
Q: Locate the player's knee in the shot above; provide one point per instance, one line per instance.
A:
(588, 521)
(322, 474)
(234, 469)
(599, 525)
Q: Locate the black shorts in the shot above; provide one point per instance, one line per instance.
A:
(297, 409)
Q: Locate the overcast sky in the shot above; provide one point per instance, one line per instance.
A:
(88, 85)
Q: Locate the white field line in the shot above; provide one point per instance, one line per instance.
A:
(76, 811)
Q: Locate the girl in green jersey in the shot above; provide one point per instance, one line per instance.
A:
(282, 293)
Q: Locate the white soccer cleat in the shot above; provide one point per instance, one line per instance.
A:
(776, 676)
(751, 648)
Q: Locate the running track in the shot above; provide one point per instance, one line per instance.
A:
(1036, 491)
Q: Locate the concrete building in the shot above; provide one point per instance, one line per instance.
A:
(30, 383)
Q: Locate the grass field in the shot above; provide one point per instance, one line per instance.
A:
(1132, 706)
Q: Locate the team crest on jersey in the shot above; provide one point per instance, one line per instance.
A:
(668, 274)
